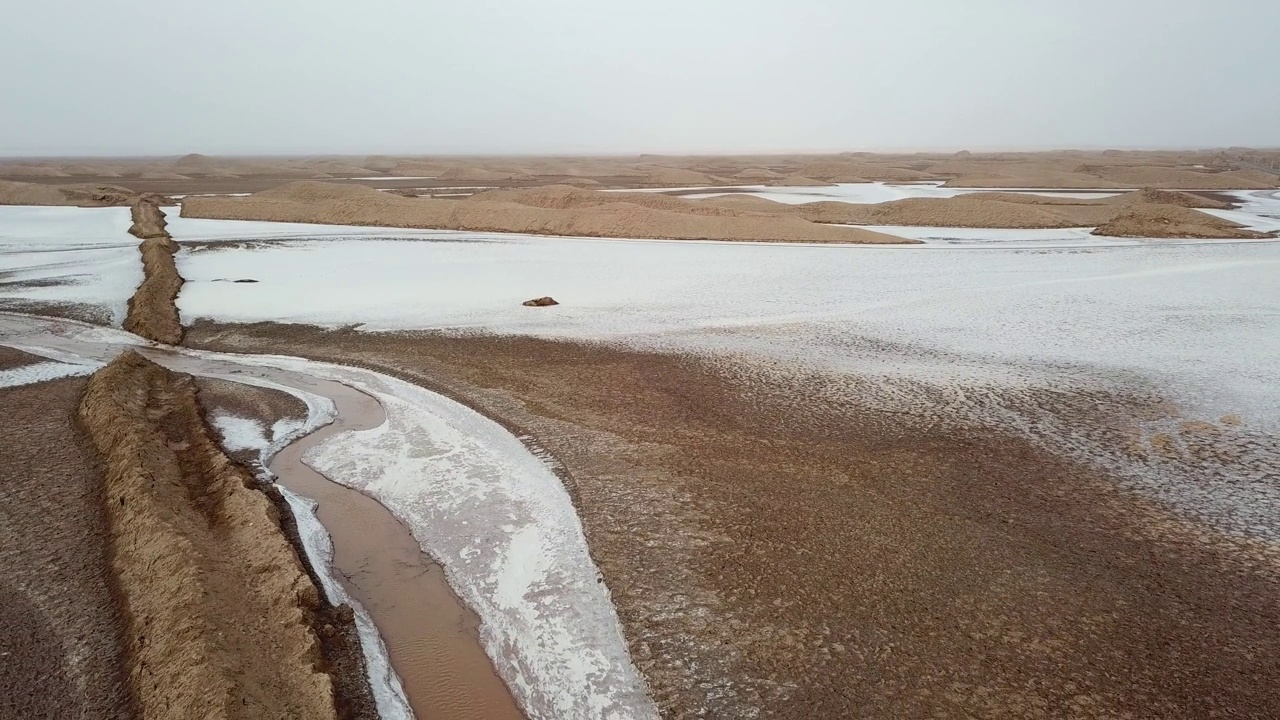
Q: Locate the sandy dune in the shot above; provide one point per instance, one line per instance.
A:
(86, 195)
(1164, 214)
(1233, 168)
(1171, 221)
(559, 210)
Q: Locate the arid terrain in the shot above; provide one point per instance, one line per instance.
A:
(930, 435)
(797, 550)
(1227, 168)
(458, 193)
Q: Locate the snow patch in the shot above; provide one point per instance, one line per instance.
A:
(41, 372)
(239, 433)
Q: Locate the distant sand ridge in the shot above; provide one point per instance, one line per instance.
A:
(1146, 213)
(22, 193)
(1229, 168)
(555, 210)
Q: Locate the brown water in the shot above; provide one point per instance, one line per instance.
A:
(431, 637)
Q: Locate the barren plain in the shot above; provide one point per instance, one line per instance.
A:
(858, 435)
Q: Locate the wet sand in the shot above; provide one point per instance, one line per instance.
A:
(771, 549)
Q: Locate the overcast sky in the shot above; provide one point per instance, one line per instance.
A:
(616, 76)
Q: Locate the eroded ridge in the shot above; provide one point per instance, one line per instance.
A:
(153, 312)
(219, 609)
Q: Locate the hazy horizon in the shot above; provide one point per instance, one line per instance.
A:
(573, 77)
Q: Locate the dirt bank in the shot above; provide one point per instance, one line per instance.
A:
(603, 216)
(148, 219)
(87, 195)
(219, 607)
(152, 311)
(772, 550)
(62, 637)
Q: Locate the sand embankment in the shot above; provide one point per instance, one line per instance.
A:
(554, 210)
(218, 604)
(82, 195)
(148, 220)
(152, 312)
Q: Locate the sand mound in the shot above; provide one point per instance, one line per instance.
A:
(415, 169)
(1160, 214)
(853, 172)
(963, 211)
(1150, 196)
(473, 174)
(20, 193)
(1167, 177)
(337, 167)
(1264, 179)
(757, 174)
(1171, 221)
(563, 197)
(31, 171)
(218, 604)
(801, 181)
(194, 161)
(747, 201)
(553, 210)
(89, 171)
(664, 176)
